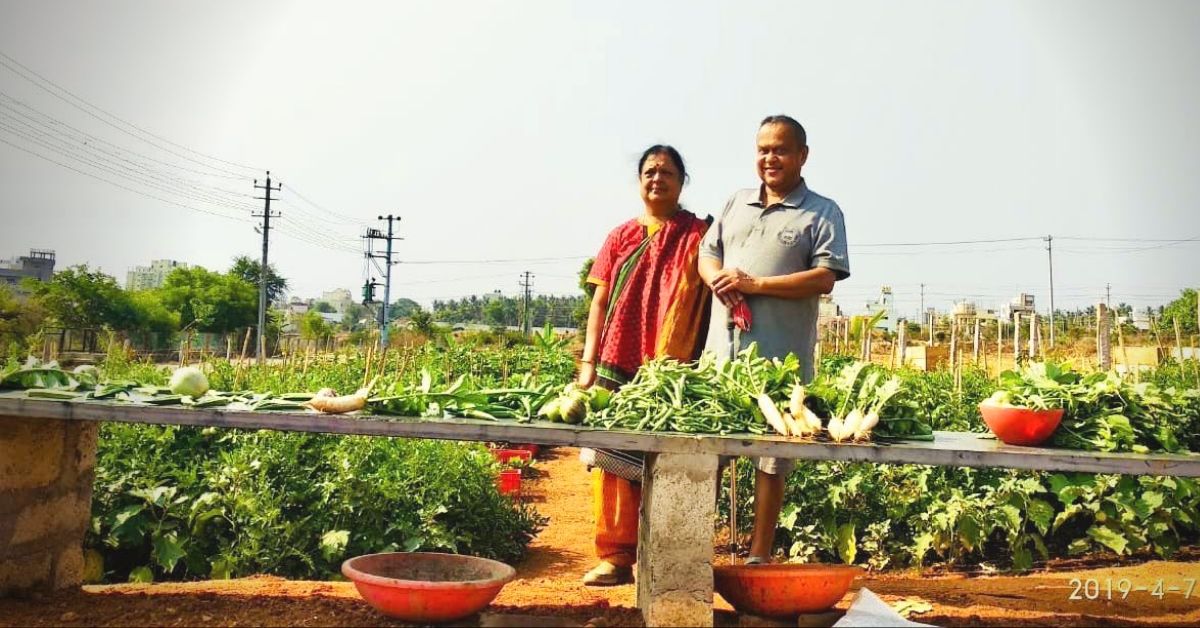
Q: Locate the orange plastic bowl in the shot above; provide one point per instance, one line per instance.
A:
(783, 590)
(426, 587)
(1020, 426)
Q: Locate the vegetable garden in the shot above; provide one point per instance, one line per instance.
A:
(186, 503)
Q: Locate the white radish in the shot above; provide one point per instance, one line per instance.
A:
(851, 422)
(813, 421)
(868, 423)
(771, 413)
(340, 405)
(835, 429)
(795, 426)
(796, 400)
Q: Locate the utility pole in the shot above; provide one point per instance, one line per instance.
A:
(525, 284)
(262, 270)
(376, 234)
(1108, 295)
(1050, 258)
(922, 316)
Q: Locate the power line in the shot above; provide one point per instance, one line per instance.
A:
(956, 242)
(90, 109)
(124, 187)
(127, 173)
(343, 217)
(496, 261)
(55, 122)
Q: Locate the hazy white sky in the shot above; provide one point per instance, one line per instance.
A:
(503, 130)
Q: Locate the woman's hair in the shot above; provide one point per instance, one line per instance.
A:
(669, 151)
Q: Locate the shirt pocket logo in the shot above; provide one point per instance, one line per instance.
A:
(788, 237)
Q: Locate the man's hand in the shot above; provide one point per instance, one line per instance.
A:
(732, 281)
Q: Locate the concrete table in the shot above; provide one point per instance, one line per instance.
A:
(675, 551)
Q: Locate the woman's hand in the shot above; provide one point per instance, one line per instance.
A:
(587, 375)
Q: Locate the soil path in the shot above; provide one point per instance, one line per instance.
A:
(547, 590)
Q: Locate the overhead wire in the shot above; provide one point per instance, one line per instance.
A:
(117, 170)
(83, 105)
(122, 186)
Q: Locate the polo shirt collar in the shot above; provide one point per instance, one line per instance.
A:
(794, 199)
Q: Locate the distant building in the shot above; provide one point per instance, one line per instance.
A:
(152, 276)
(828, 309)
(1020, 304)
(39, 265)
(340, 299)
(884, 304)
(1142, 321)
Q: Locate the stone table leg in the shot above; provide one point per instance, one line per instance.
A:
(675, 540)
(46, 471)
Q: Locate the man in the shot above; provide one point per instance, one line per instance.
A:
(777, 247)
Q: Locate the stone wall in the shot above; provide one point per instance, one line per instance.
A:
(46, 473)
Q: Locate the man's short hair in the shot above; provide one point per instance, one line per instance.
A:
(791, 123)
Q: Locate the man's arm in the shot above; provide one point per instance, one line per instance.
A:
(806, 283)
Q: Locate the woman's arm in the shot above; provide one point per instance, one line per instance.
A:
(591, 343)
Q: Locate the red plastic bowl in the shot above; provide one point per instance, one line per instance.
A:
(425, 587)
(505, 455)
(508, 482)
(530, 447)
(1020, 426)
(783, 590)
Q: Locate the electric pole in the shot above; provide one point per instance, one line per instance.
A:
(376, 234)
(922, 316)
(262, 270)
(526, 284)
(1050, 258)
(1108, 295)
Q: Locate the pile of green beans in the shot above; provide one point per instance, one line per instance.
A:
(701, 398)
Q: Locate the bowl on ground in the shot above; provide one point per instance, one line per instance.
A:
(427, 587)
(784, 590)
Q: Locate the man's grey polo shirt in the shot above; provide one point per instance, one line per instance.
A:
(804, 231)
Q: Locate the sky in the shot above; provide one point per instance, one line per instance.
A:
(505, 135)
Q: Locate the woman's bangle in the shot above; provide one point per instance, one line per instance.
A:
(592, 362)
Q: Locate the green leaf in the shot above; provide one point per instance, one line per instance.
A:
(1079, 546)
(412, 543)
(787, 518)
(1108, 537)
(921, 546)
(167, 551)
(1022, 558)
(222, 569)
(1040, 513)
(970, 533)
(141, 574)
(847, 543)
(333, 543)
(1153, 500)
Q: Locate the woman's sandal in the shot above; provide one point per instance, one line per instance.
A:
(607, 574)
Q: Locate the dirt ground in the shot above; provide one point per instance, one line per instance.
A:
(547, 591)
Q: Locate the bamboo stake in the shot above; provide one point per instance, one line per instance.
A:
(367, 365)
(1124, 353)
(1103, 337)
(975, 341)
(1178, 340)
(245, 347)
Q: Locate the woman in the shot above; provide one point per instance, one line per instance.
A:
(649, 302)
